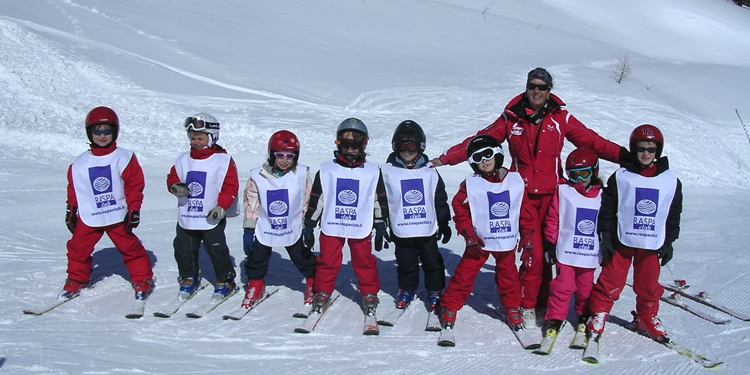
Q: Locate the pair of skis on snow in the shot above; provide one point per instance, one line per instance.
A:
(313, 318)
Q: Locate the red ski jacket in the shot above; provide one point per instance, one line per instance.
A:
(535, 149)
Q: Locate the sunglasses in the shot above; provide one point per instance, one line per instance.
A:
(349, 144)
(651, 150)
(197, 123)
(532, 86)
(580, 174)
(411, 146)
(284, 155)
(483, 154)
(101, 131)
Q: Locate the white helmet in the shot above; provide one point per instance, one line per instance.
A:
(204, 123)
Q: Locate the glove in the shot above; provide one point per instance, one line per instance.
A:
(665, 253)
(473, 242)
(550, 252)
(525, 243)
(216, 213)
(248, 239)
(179, 190)
(444, 232)
(71, 218)
(308, 237)
(606, 247)
(381, 235)
(132, 220)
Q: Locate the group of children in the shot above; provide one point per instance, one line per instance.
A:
(636, 217)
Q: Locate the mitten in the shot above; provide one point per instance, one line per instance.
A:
(444, 232)
(381, 235)
(606, 247)
(132, 220)
(525, 243)
(665, 253)
(307, 234)
(248, 240)
(216, 213)
(473, 242)
(550, 252)
(71, 218)
(179, 190)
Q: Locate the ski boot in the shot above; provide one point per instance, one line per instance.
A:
(320, 302)
(595, 326)
(447, 317)
(256, 289)
(404, 298)
(188, 286)
(529, 317)
(143, 289)
(651, 327)
(370, 302)
(433, 300)
(71, 289)
(309, 292)
(224, 290)
(515, 321)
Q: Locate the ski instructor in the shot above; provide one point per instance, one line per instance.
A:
(535, 125)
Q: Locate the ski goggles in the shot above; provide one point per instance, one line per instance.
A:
(410, 146)
(532, 86)
(101, 131)
(483, 154)
(350, 144)
(284, 155)
(651, 150)
(580, 174)
(197, 123)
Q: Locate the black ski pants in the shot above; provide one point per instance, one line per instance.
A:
(187, 245)
(409, 252)
(259, 256)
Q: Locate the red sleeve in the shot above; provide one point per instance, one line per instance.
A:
(230, 188)
(552, 219)
(134, 183)
(172, 178)
(457, 153)
(581, 136)
(461, 211)
(72, 199)
(529, 217)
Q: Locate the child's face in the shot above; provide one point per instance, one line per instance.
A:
(101, 139)
(198, 140)
(285, 162)
(487, 166)
(409, 157)
(645, 157)
(348, 147)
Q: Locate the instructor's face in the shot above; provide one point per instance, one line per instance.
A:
(535, 96)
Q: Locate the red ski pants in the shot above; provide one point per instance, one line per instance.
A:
(81, 246)
(462, 282)
(569, 280)
(646, 269)
(535, 273)
(329, 264)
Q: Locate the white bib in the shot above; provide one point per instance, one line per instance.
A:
(642, 208)
(349, 199)
(203, 179)
(577, 244)
(411, 200)
(281, 199)
(496, 209)
(100, 192)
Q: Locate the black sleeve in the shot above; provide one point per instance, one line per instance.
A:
(315, 193)
(442, 209)
(608, 210)
(382, 198)
(673, 218)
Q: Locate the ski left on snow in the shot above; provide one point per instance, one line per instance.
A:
(211, 305)
(242, 311)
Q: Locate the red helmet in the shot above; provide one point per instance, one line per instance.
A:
(582, 158)
(102, 115)
(283, 140)
(647, 132)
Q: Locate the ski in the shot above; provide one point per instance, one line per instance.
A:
(591, 352)
(433, 321)
(171, 308)
(242, 311)
(210, 306)
(675, 299)
(447, 338)
(136, 309)
(703, 298)
(39, 310)
(371, 325)
(548, 342)
(667, 342)
(528, 338)
(579, 339)
(304, 311)
(311, 322)
(392, 317)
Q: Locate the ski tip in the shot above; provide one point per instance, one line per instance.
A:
(134, 316)
(540, 352)
(385, 323)
(300, 315)
(433, 329)
(591, 360)
(194, 316)
(371, 332)
(301, 330)
(162, 315)
(29, 312)
(446, 343)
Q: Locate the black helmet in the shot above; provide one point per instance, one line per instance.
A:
(409, 130)
(480, 142)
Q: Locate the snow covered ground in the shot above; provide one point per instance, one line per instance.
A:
(450, 65)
